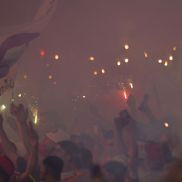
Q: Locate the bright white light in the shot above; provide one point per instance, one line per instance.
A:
(126, 60)
(92, 58)
(166, 125)
(126, 46)
(145, 54)
(160, 61)
(56, 56)
(166, 63)
(19, 95)
(84, 96)
(3, 107)
(103, 71)
(170, 58)
(119, 63)
(125, 94)
(131, 85)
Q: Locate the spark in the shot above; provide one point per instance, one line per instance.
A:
(92, 58)
(171, 58)
(103, 71)
(166, 63)
(19, 95)
(145, 54)
(119, 63)
(3, 107)
(125, 94)
(166, 125)
(126, 60)
(126, 46)
(131, 85)
(56, 57)
(160, 61)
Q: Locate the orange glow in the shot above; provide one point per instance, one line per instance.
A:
(125, 95)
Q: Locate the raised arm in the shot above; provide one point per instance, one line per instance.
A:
(8, 146)
(21, 115)
(33, 157)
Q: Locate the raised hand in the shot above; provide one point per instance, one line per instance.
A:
(20, 112)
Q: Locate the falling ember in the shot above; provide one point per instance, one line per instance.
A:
(160, 61)
(126, 46)
(119, 63)
(35, 116)
(125, 95)
(50, 77)
(126, 60)
(42, 53)
(95, 73)
(145, 54)
(166, 63)
(103, 71)
(174, 48)
(131, 85)
(56, 57)
(92, 58)
(171, 58)
(166, 125)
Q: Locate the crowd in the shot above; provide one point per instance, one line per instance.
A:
(123, 154)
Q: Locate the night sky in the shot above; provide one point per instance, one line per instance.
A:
(100, 28)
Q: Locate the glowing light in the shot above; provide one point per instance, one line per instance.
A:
(56, 57)
(170, 58)
(84, 96)
(42, 52)
(166, 125)
(3, 107)
(131, 85)
(35, 115)
(126, 60)
(160, 61)
(166, 63)
(95, 73)
(119, 63)
(92, 58)
(126, 46)
(103, 71)
(145, 55)
(125, 94)
(19, 95)
(25, 76)
(50, 77)
(174, 48)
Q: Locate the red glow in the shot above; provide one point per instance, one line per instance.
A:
(125, 95)
(42, 52)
